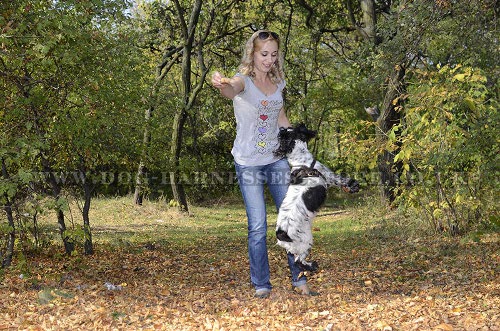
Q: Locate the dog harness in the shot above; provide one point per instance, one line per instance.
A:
(299, 174)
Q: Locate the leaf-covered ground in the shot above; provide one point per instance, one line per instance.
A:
(157, 270)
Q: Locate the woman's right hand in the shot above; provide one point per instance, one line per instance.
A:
(219, 81)
(228, 87)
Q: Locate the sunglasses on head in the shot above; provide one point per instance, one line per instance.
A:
(266, 34)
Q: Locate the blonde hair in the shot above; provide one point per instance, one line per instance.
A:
(247, 66)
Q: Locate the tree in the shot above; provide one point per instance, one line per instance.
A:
(6, 257)
(182, 40)
(447, 141)
(63, 64)
(395, 45)
(449, 154)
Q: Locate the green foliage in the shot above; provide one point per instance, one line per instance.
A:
(446, 142)
(449, 148)
(70, 87)
(80, 75)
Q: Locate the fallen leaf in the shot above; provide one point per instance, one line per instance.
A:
(443, 327)
(383, 326)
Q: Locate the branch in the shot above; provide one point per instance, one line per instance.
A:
(287, 36)
(165, 59)
(167, 66)
(193, 20)
(182, 21)
(350, 10)
(310, 10)
(168, 61)
(341, 29)
(199, 85)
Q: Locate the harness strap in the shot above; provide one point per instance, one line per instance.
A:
(305, 171)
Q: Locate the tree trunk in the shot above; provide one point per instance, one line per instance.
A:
(189, 92)
(177, 187)
(369, 20)
(141, 171)
(177, 132)
(390, 116)
(367, 28)
(139, 183)
(390, 110)
(188, 32)
(69, 245)
(87, 245)
(7, 258)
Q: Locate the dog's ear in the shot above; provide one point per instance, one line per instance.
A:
(304, 133)
(310, 134)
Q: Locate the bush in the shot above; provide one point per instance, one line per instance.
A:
(449, 149)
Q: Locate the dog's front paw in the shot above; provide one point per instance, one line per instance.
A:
(351, 187)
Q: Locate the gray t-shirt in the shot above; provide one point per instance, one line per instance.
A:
(256, 124)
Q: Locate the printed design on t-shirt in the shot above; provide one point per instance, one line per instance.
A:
(262, 126)
(268, 112)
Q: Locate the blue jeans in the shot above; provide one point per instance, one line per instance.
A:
(252, 180)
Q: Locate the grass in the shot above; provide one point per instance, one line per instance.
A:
(190, 272)
(118, 220)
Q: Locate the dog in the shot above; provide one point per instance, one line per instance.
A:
(309, 181)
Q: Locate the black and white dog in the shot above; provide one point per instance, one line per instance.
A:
(309, 181)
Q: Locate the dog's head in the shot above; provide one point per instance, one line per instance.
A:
(288, 136)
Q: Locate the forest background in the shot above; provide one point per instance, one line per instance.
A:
(107, 98)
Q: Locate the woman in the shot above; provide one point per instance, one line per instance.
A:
(257, 94)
